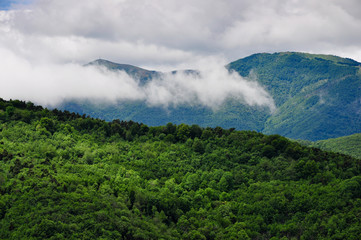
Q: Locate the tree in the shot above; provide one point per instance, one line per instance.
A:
(183, 132)
(196, 131)
(48, 124)
(198, 146)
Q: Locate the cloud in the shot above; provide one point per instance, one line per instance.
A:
(51, 84)
(210, 86)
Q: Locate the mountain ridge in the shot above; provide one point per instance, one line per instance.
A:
(139, 73)
(317, 97)
(136, 72)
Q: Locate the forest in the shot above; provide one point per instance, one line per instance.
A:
(350, 145)
(70, 176)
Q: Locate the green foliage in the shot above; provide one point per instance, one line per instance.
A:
(350, 145)
(198, 146)
(67, 176)
(316, 95)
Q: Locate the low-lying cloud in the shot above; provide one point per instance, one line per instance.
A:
(51, 84)
(210, 87)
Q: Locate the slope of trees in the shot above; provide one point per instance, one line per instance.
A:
(67, 176)
(317, 96)
(350, 145)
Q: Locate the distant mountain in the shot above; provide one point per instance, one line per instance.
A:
(350, 145)
(317, 97)
(231, 115)
(139, 73)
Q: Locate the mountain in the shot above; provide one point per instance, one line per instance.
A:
(317, 97)
(231, 115)
(138, 73)
(350, 145)
(67, 176)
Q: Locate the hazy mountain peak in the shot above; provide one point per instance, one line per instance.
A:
(136, 72)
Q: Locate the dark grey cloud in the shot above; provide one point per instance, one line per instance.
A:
(184, 30)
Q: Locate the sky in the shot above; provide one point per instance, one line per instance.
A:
(9, 4)
(40, 39)
(5, 4)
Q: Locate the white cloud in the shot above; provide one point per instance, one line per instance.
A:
(211, 86)
(51, 84)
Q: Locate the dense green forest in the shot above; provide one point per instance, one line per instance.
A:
(317, 96)
(69, 176)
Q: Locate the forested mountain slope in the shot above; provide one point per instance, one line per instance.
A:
(67, 176)
(317, 97)
(350, 145)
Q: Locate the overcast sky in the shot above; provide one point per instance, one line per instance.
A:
(176, 33)
(170, 34)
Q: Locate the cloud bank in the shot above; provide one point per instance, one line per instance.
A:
(51, 84)
(210, 87)
(172, 33)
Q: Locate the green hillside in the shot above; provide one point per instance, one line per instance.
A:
(350, 145)
(231, 114)
(317, 97)
(67, 176)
